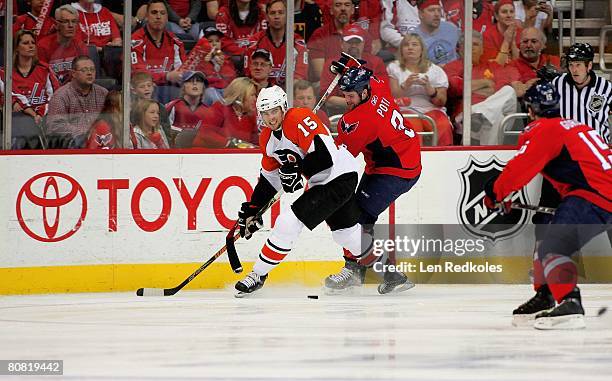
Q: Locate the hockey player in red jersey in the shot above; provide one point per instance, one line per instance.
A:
(574, 158)
(296, 143)
(375, 127)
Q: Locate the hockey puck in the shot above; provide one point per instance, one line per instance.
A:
(313, 296)
(602, 311)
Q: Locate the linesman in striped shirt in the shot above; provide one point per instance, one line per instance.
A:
(585, 96)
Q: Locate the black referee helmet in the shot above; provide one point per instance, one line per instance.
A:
(580, 52)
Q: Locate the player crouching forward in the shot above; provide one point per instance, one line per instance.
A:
(574, 158)
(296, 143)
(375, 127)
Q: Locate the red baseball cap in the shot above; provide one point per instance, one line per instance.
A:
(427, 3)
(503, 2)
(351, 31)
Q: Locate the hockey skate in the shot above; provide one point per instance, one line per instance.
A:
(350, 277)
(394, 282)
(569, 314)
(526, 312)
(250, 284)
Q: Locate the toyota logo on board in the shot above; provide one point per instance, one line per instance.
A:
(40, 203)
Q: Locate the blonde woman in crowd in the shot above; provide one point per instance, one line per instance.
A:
(425, 83)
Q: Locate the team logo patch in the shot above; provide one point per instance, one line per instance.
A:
(347, 128)
(476, 219)
(374, 100)
(597, 102)
(136, 43)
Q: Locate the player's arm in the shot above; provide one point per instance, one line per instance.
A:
(535, 152)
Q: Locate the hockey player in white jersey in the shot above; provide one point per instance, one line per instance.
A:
(296, 144)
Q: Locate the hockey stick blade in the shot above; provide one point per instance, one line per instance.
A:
(150, 292)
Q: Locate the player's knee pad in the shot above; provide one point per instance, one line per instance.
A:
(286, 229)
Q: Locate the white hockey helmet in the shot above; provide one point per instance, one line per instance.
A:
(271, 97)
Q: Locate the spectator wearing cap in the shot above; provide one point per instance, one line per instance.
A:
(531, 58)
(425, 83)
(304, 96)
(326, 41)
(232, 123)
(399, 18)
(189, 111)
(501, 43)
(98, 26)
(156, 50)
(482, 14)
(182, 16)
(238, 22)
(440, 36)
(353, 42)
(260, 68)
(273, 40)
(60, 48)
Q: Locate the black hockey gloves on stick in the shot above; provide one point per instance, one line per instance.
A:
(339, 67)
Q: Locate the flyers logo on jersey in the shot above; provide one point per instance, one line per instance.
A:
(475, 218)
(347, 128)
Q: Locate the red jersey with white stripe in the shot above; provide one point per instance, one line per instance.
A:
(262, 40)
(182, 117)
(28, 21)
(377, 129)
(572, 156)
(299, 129)
(146, 56)
(59, 57)
(34, 89)
(236, 37)
(98, 27)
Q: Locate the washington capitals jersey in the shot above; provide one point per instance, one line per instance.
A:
(158, 61)
(34, 89)
(571, 155)
(377, 129)
(182, 117)
(297, 137)
(590, 105)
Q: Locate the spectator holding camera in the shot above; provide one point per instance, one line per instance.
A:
(534, 13)
(425, 83)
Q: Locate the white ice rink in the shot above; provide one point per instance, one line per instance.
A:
(432, 332)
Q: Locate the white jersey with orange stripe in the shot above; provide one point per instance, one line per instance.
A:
(297, 136)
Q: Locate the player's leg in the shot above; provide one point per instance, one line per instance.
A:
(310, 209)
(543, 299)
(575, 223)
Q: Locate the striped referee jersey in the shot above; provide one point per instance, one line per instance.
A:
(590, 105)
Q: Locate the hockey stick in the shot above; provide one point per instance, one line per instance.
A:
(171, 291)
(539, 209)
(351, 62)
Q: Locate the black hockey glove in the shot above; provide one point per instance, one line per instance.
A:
(246, 220)
(291, 177)
(490, 200)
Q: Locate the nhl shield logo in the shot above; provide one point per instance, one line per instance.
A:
(474, 216)
(596, 103)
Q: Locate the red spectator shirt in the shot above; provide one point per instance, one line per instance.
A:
(262, 40)
(222, 123)
(455, 10)
(501, 75)
(377, 129)
(182, 117)
(158, 61)
(236, 38)
(325, 42)
(181, 7)
(492, 42)
(35, 89)
(101, 136)
(59, 57)
(373, 63)
(97, 27)
(368, 15)
(527, 72)
(571, 155)
(28, 21)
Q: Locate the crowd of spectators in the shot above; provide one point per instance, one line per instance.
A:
(197, 65)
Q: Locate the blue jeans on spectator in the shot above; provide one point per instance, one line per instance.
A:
(193, 33)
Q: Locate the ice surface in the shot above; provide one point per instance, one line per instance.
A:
(432, 332)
